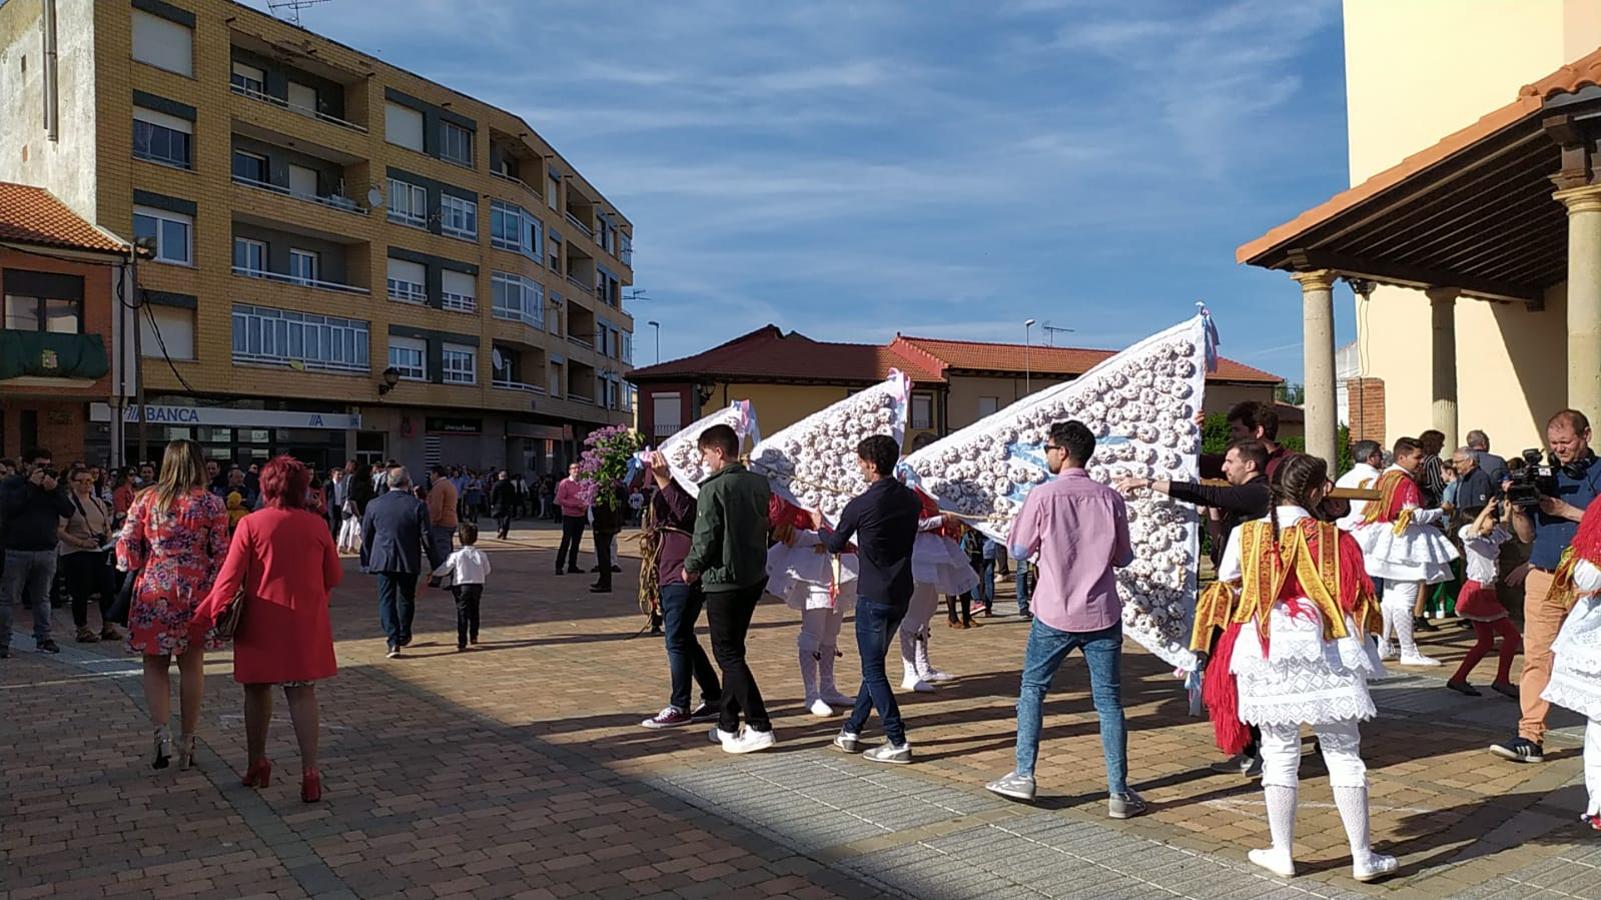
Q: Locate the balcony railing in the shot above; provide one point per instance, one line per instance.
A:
(581, 342)
(580, 398)
(578, 224)
(285, 104)
(523, 386)
(661, 430)
(247, 272)
(588, 289)
(457, 302)
(332, 201)
(518, 181)
(406, 291)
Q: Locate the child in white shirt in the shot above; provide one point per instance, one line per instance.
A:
(1481, 544)
(467, 568)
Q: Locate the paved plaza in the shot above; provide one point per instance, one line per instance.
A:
(519, 770)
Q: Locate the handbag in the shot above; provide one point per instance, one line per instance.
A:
(228, 619)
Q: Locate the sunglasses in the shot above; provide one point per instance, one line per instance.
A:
(1050, 447)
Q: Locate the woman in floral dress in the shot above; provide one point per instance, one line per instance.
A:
(175, 541)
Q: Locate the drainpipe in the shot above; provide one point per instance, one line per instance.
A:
(51, 119)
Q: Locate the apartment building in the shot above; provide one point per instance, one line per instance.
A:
(348, 260)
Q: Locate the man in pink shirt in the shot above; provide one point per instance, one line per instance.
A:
(574, 516)
(1080, 531)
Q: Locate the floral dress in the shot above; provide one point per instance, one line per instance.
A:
(177, 555)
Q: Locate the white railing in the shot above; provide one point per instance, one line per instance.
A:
(663, 431)
(295, 108)
(523, 386)
(461, 233)
(516, 315)
(405, 218)
(457, 302)
(576, 223)
(407, 291)
(247, 272)
(332, 201)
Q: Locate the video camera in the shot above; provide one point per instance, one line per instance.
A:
(1537, 478)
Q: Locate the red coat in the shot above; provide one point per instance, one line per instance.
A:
(287, 562)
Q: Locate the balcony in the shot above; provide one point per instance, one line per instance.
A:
(332, 201)
(662, 430)
(578, 283)
(581, 341)
(508, 384)
(256, 94)
(457, 302)
(300, 280)
(578, 224)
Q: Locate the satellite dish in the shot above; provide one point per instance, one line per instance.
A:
(375, 197)
(500, 362)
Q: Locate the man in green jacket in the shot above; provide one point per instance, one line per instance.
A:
(728, 556)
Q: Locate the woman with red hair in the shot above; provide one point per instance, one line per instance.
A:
(285, 563)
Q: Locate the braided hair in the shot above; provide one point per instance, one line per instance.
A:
(1294, 481)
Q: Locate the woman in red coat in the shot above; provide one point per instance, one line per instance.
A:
(284, 558)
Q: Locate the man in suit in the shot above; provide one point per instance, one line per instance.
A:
(503, 503)
(394, 536)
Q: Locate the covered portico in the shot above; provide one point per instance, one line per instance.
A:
(1503, 211)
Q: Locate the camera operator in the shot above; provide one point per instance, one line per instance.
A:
(1550, 526)
(32, 503)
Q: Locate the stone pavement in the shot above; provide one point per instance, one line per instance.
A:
(519, 769)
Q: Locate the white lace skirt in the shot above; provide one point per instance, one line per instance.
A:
(1299, 678)
(1576, 671)
(1421, 552)
(939, 562)
(800, 574)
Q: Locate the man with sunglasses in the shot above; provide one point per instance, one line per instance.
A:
(1080, 530)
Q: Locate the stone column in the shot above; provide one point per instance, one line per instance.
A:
(1317, 348)
(1584, 298)
(1442, 306)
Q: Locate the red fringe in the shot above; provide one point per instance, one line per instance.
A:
(1354, 581)
(1587, 542)
(1222, 696)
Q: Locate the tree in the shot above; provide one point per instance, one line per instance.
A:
(1294, 394)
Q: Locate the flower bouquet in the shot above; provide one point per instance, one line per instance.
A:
(606, 465)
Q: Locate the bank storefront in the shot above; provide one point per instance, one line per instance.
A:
(322, 435)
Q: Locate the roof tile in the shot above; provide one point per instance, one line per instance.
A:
(31, 215)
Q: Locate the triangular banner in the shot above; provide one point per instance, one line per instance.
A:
(682, 450)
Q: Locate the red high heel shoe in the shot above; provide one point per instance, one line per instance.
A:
(310, 786)
(260, 773)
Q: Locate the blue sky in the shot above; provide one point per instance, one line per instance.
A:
(939, 168)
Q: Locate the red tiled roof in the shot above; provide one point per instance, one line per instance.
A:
(769, 353)
(31, 215)
(1581, 73)
(988, 357)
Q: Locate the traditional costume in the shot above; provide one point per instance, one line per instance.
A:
(1295, 606)
(1478, 603)
(822, 588)
(938, 567)
(1576, 669)
(1400, 546)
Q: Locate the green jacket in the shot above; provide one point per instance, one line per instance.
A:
(729, 550)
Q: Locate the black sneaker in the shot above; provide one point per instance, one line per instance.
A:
(48, 646)
(706, 712)
(1519, 749)
(5, 652)
(1423, 624)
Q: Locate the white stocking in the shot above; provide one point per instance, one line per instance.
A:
(1592, 765)
(1281, 817)
(808, 644)
(1281, 762)
(919, 611)
(1396, 606)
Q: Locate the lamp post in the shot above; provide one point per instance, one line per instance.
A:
(1027, 375)
(658, 327)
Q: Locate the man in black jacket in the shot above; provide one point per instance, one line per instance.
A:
(503, 503)
(1245, 498)
(32, 503)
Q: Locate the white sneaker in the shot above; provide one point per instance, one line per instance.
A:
(1276, 861)
(749, 740)
(720, 736)
(913, 683)
(889, 753)
(847, 742)
(1417, 659)
(820, 709)
(1376, 866)
(1386, 650)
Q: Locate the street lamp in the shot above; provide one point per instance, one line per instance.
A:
(658, 327)
(1027, 375)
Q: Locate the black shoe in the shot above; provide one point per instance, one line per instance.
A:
(616, 569)
(1422, 624)
(1462, 687)
(5, 652)
(48, 646)
(561, 571)
(1025, 614)
(1519, 749)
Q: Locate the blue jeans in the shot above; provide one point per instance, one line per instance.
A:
(985, 593)
(29, 572)
(1022, 588)
(876, 624)
(397, 603)
(1103, 653)
(686, 660)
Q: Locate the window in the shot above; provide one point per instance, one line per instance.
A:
(458, 217)
(304, 265)
(922, 411)
(459, 364)
(26, 313)
(534, 241)
(408, 356)
(505, 226)
(407, 281)
(169, 230)
(555, 379)
(628, 347)
(163, 43)
(279, 337)
(408, 203)
(553, 192)
(988, 406)
(250, 166)
(554, 322)
(455, 143)
(403, 126)
(517, 298)
(303, 181)
(460, 291)
(161, 138)
(249, 256)
(171, 334)
(626, 253)
(248, 79)
(303, 97)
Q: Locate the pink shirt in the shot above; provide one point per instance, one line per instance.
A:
(1080, 530)
(567, 497)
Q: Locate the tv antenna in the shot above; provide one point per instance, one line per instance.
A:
(289, 10)
(1050, 333)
